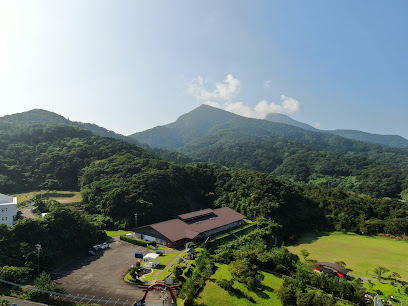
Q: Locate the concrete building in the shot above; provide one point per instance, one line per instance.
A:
(8, 209)
(195, 226)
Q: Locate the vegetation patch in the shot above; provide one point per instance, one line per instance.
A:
(213, 294)
(362, 254)
(116, 233)
(394, 293)
(228, 237)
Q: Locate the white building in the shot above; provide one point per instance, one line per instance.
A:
(8, 209)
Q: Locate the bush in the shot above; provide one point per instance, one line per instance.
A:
(225, 284)
(138, 242)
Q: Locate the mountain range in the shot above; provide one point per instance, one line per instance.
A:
(388, 140)
(218, 137)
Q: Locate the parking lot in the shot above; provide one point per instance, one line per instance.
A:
(101, 276)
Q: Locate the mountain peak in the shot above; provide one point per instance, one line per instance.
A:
(36, 115)
(281, 118)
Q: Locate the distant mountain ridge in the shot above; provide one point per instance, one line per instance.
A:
(281, 118)
(47, 117)
(395, 141)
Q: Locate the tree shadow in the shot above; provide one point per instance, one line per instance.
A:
(308, 238)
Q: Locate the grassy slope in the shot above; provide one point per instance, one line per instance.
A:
(362, 254)
(215, 295)
(27, 196)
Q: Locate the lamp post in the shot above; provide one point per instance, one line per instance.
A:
(38, 246)
(135, 219)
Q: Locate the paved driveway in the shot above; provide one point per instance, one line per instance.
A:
(101, 276)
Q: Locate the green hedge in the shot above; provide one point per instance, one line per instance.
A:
(138, 242)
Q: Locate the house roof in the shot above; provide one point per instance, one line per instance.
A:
(177, 229)
(342, 270)
(196, 214)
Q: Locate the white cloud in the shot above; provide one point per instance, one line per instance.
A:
(267, 83)
(225, 90)
(224, 96)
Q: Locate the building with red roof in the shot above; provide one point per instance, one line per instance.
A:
(195, 226)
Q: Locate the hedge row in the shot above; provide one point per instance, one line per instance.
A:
(138, 242)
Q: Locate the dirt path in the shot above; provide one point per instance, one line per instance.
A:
(27, 213)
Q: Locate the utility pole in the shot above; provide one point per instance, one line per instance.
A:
(38, 246)
(135, 219)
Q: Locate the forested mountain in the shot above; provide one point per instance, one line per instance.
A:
(213, 135)
(118, 179)
(47, 117)
(388, 140)
(38, 156)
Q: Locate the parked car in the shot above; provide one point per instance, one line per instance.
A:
(90, 253)
(105, 245)
(97, 247)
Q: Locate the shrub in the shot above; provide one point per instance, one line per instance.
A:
(225, 284)
(138, 242)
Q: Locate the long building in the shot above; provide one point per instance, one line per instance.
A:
(195, 226)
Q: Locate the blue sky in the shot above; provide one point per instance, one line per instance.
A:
(132, 65)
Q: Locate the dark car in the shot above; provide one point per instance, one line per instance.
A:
(90, 253)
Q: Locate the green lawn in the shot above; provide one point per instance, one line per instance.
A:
(215, 295)
(116, 233)
(163, 261)
(362, 254)
(166, 272)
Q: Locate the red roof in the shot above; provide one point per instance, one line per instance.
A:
(177, 229)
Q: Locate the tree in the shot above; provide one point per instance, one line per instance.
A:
(305, 253)
(379, 271)
(340, 263)
(395, 275)
(4, 302)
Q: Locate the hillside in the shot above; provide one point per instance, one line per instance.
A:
(387, 140)
(47, 117)
(118, 179)
(213, 135)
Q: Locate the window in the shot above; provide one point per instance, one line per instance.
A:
(6, 208)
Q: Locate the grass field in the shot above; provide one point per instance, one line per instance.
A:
(215, 295)
(116, 233)
(65, 197)
(362, 254)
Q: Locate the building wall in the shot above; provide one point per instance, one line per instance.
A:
(223, 228)
(8, 213)
(149, 234)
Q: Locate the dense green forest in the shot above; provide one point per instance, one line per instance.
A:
(215, 136)
(118, 179)
(38, 156)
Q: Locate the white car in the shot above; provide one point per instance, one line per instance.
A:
(97, 247)
(105, 245)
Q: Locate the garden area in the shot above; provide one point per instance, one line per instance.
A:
(218, 292)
